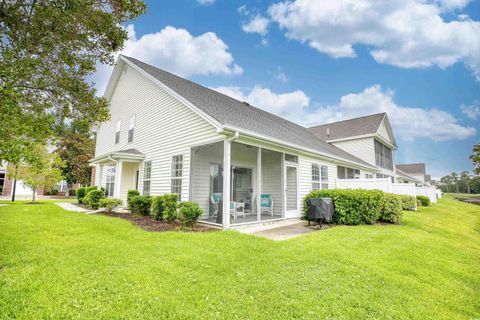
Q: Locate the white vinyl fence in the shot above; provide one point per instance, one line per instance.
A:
(386, 185)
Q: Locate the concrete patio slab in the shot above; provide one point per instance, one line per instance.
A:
(282, 232)
(72, 207)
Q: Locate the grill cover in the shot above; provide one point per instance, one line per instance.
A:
(320, 209)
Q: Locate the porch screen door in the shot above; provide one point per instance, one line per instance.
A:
(291, 189)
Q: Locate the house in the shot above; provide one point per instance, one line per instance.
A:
(6, 184)
(417, 171)
(370, 138)
(170, 135)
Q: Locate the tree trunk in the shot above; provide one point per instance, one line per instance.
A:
(33, 195)
(14, 183)
(456, 185)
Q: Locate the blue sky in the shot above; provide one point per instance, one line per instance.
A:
(320, 61)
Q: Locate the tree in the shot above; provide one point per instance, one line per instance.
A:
(454, 176)
(465, 179)
(44, 172)
(76, 148)
(475, 157)
(446, 180)
(47, 51)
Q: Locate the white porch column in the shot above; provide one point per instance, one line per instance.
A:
(100, 174)
(118, 179)
(259, 182)
(284, 187)
(227, 146)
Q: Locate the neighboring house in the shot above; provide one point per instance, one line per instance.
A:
(404, 177)
(370, 138)
(170, 135)
(417, 171)
(6, 184)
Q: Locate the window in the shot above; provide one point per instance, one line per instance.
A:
(347, 173)
(315, 177)
(368, 176)
(319, 177)
(110, 182)
(117, 131)
(177, 168)
(291, 158)
(147, 176)
(131, 127)
(324, 171)
(383, 156)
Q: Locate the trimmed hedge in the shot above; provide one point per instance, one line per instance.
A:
(352, 207)
(81, 193)
(93, 198)
(425, 201)
(140, 205)
(189, 212)
(110, 203)
(408, 202)
(165, 207)
(391, 208)
(130, 194)
(359, 206)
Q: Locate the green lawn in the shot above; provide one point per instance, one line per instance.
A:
(58, 264)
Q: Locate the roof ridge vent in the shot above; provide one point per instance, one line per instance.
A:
(246, 103)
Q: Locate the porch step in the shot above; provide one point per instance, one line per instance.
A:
(264, 225)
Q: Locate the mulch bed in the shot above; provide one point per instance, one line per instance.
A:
(149, 224)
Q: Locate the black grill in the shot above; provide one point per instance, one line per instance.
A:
(320, 209)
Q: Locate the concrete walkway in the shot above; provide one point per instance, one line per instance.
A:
(72, 207)
(281, 232)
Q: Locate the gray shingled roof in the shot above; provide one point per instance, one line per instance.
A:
(404, 175)
(412, 168)
(229, 111)
(349, 128)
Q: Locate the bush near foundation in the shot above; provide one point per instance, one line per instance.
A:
(425, 201)
(359, 206)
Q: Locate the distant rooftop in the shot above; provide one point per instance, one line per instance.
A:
(349, 128)
(412, 168)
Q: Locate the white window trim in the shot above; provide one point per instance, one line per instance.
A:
(173, 175)
(147, 178)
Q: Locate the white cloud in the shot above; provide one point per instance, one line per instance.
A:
(206, 2)
(404, 33)
(177, 51)
(409, 123)
(280, 75)
(287, 105)
(256, 24)
(471, 111)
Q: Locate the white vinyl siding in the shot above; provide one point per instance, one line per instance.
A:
(361, 148)
(305, 175)
(118, 129)
(164, 127)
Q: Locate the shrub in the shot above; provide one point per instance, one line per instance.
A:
(46, 193)
(72, 192)
(425, 201)
(93, 198)
(141, 205)
(110, 203)
(130, 194)
(408, 202)
(90, 188)
(351, 206)
(170, 204)
(189, 212)
(391, 208)
(54, 192)
(158, 207)
(81, 193)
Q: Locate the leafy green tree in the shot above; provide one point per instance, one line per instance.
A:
(465, 179)
(446, 181)
(454, 176)
(475, 157)
(76, 147)
(44, 172)
(47, 51)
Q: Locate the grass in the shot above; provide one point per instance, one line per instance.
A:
(59, 264)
